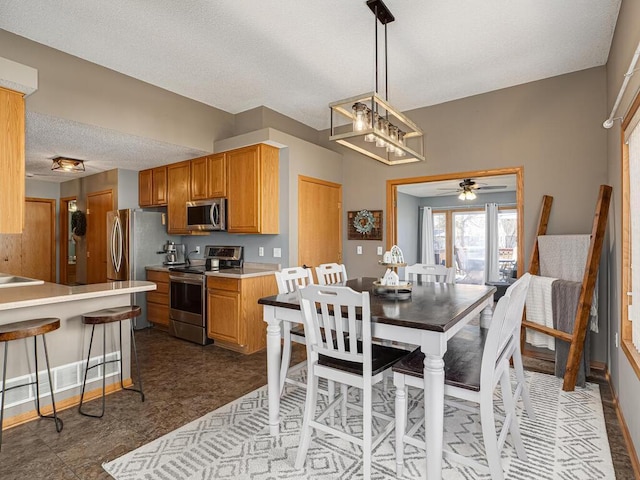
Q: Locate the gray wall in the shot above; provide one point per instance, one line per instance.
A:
(501, 198)
(625, 381)
(75, 89)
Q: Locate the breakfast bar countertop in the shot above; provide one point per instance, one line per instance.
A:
(49, 293)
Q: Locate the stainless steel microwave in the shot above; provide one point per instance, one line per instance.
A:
(207, 214)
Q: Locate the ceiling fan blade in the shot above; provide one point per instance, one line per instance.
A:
(492, 187)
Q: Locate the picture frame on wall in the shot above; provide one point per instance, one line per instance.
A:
(364, 225)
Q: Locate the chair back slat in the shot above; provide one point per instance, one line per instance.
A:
(429, 273)
(292, 279)
(331, 273)
(338, 310)
(503, 329)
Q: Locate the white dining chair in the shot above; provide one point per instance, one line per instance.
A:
(331, 273)
(475, 362)
(290, 280)
(429, 273)
(345, 359)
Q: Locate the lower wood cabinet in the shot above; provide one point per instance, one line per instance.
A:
(234, 316)
(158, 300)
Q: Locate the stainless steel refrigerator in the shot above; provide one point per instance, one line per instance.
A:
(134, 241)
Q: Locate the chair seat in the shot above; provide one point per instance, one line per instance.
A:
(114, 314)
(28, 328)
(381, 358)
(462, 361)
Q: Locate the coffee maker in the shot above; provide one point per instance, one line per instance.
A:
(174, 253)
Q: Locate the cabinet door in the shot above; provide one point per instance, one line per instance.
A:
(252, 189)
(145, 188)
(224, 315)
(199, 178)
(178, 176)
(12, 161)
(243, 190)
(159, 186)
(216, 176)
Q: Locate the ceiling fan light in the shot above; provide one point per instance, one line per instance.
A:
(462, 196)
(471, 195)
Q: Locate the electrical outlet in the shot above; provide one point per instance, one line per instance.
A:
(379, 250)
(197, 248)
(261, 251)
(277, 252)
(359, 249)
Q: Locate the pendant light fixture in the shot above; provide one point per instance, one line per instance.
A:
(368, 124)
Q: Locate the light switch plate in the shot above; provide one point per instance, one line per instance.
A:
(359, 249)
(261, 251)
(379, 250)
(277, 252)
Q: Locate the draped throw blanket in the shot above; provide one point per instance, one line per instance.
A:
(565, 298)
(540, 310)
(565, 256)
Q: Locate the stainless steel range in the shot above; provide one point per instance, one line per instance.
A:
(188, 292)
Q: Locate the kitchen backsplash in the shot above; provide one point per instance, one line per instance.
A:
(251, 244)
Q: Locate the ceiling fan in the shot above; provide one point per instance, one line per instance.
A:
(468, 187)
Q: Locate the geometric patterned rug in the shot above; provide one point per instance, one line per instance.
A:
(567, 441)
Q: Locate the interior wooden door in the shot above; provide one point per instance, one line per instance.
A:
(39, 239)
(98, 204)
(319, 222)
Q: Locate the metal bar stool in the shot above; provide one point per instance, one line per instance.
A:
(26, 329)
(103, 317)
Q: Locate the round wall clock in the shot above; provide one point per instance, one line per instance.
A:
(364, 221)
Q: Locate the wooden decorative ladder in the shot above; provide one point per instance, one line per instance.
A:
(576, 339)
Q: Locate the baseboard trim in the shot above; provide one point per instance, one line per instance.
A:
(62, 405)
(625, 431)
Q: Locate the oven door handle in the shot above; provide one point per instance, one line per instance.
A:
(186, 280)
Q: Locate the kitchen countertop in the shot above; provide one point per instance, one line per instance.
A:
(49, 293)
(249, 270)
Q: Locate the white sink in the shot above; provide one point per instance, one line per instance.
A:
(7, 281)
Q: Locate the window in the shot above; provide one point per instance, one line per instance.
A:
(631, 238)
(459, 238)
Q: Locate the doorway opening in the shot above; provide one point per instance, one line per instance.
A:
(459, 221)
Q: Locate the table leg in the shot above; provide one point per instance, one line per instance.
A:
(434, 413)
(486, 315)
(273, 368)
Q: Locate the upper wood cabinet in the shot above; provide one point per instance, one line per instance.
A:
(252, 189)
(178, 186)
(208, 177)
(152, 187)
(12, 160)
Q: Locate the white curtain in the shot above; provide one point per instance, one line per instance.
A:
(491, 265)
(427, 255)
(634, 208)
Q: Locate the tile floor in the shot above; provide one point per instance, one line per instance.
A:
(182, 382)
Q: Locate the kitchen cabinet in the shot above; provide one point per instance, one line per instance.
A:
(234, 316)
(252, 189)
(152, 187)
(178, 183)
(208, 177)
(158, 300)
(12, 161)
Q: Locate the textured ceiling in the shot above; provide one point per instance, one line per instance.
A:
(296, 56)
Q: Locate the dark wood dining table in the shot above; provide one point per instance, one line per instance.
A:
(428, 318)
